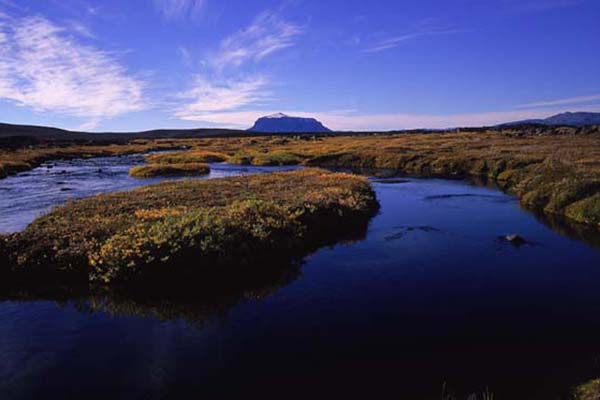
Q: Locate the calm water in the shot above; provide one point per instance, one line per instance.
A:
(430, 295)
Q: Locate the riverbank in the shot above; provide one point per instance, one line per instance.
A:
(24, 159)
(552, 170)
(188, 228)
(556, 170)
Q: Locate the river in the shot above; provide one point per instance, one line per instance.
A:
(430, 296)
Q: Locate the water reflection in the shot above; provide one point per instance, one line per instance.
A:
(195, 299)
(568, 228)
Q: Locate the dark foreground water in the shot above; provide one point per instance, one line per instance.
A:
(430, 295)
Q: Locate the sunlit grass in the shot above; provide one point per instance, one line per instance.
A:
(588, 391)
(556, 170)
(186, 157)
(154, 170)
(23, 159)
(191, 225)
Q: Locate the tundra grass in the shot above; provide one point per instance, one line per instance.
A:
(556, 170)
(24, 159)
(155, 170)
(588, 391)
(190, 227)
(186, 157)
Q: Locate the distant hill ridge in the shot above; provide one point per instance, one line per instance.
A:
(282, 123)
(566, 118)
(276, 123)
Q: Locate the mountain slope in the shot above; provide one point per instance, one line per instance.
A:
(279, 123)
(567, 118)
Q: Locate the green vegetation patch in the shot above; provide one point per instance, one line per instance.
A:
(186, 157)
(155, 170)
(586, 211)
(588, 391)
(276, 158)
(552, 170)
(24, 159)
(265, 158)
(193, 226)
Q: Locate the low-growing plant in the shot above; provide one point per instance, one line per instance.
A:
(551, 169)
(588, 391)
(186, 157)
(155, 170)
(24, 159)
(276, 158)
(192, 226)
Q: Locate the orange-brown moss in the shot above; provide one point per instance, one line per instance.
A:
(550, 169)
(155, 170)
(190, 225)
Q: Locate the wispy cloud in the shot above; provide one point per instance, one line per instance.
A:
(12, 4)
(177, 9)
(425, 27)
(561, 102)
(222, 87)
(267, 34)
(209, 96)
(80, 29)
(44, 68)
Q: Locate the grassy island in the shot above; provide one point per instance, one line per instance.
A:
(155, 170)
(190, 227)
(186, 157)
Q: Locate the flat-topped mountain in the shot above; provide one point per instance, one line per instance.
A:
(566, 118)
(278, 123)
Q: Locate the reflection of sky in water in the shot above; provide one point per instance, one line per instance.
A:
(430, 296)
(25, 196)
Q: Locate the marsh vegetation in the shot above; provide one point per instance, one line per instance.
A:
(183, 169)
(190, 227)
(588, 391)
(556, 170)
(25, 158)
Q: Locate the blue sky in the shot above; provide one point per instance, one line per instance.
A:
(113, 65)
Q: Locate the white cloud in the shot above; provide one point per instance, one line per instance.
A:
(210, 96)
(81, 29)
(351, 120)
(560, 102)
(176, 9)
(424, 27)
(267, 34)
(219, 88)
(44, 68)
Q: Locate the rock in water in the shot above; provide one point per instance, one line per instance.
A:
(515, 239)
(281, 123)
